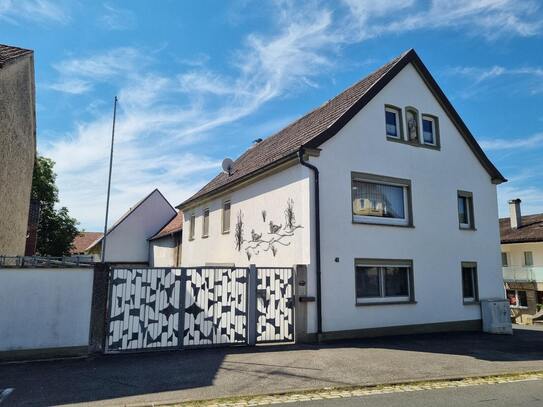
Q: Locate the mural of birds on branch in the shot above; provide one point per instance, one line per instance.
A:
(255, 236)
(274, 228)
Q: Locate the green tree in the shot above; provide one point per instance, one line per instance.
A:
(56, 228)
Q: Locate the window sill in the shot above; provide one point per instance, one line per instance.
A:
(476, 302)
(205, 236)
(414, 143)
(225, 232)
(191, 239)
(369, 304)
(360, 222)
(468, 228)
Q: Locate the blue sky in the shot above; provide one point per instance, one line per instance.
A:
(198, 81)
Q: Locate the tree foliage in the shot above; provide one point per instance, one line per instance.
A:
(56, 228)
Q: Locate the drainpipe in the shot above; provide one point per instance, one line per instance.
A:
(317, 236)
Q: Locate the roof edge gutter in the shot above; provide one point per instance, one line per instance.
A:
(315, 170)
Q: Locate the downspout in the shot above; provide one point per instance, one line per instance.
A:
(317, 236)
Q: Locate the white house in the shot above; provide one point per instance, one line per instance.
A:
(127, 240)
(522, 261)
(382, 192)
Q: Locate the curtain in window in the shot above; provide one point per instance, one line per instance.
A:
(370, 199)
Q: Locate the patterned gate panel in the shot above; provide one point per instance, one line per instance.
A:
(215, 306)
(275, 305)
(143, 309)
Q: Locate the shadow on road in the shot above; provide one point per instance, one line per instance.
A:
(111, 377)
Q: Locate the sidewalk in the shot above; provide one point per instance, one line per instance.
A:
(211, 373)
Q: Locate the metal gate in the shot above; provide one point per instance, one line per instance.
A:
(161, 308)
(275, 305)
(215, 306)
(143, 309)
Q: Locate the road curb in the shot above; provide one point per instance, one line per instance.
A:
(356, 390)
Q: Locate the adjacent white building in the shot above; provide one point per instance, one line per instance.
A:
(127, 240)
(399, 232)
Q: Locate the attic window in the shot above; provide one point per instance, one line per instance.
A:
(430, 129)
(393, 122)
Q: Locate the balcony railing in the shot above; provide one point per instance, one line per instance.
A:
(523, 273)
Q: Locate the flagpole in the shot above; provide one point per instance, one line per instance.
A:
(109, 180)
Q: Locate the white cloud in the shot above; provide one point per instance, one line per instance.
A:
(40, 11)
(73, 86)
(79, 75)
(490, 18)
(515, 143)
(117, 19)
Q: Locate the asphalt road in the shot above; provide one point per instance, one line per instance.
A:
(526, 393)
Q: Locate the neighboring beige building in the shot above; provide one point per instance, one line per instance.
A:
(17, 146)
(165, 246)
(522, 260)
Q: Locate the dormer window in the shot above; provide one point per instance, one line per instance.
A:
(393, 121)
(412, 121)
(429, 130)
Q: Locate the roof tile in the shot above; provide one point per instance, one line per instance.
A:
(9, 53)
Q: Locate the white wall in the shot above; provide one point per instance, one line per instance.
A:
(44, 308)
(269, 194)
(163, 252)
(436, 244)
(128, 241)
(515, 253)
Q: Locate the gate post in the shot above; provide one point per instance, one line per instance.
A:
(98, 315)
(301, 300)
(251, 305)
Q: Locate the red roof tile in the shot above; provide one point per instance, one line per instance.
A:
(84, 240)
(531, 230)
(173, 226)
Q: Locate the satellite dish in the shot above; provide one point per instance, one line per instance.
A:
(227, 165)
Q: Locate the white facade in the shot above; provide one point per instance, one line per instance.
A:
(515, 253)
(127, 240)
(435, 244)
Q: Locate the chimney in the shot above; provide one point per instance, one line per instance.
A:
(514, 213)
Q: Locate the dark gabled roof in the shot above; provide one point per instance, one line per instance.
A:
(127, 213)
(531, 230)
(175, 225)
(9, 53)
(319, 125)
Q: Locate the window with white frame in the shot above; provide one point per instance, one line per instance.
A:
(381, 200)
(383, 281)
(192, 226)
(393, 121)
(226, 217)
(429, 130)
(528, 259)
(205, 223)
(517, 298)
(465, 210)
(470, 291)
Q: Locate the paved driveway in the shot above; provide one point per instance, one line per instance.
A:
(210, 373)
